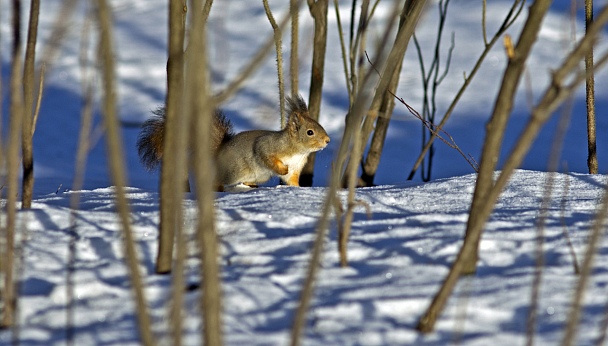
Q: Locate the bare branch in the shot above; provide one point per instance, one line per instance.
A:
(436, 131)
(252, 66)
(115, 150)
(278, 44)
(344, 56)
(199, 108)
(484, 5)
(293, 59)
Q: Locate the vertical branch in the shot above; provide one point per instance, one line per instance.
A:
(410, 13)
(484, 5)
(278, 44)
(175, 313)
(199, 106)
(566, 189)
(351, 184)
(206, 10)
(353, 122)
(344, 56)
(554, 157)
(318, 10)
(356, 115)
(590, 97)
(12, 162)
(430, 82)
(387, 104)
(180, 138)
(586, 268)
(497, 124)
(360, 41)
(355, 43)
(28, 102)
(173, 169)
(84, 143)
(117, 168)
(39, 98)
(293, 58)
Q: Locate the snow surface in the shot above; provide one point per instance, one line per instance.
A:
(398, 256)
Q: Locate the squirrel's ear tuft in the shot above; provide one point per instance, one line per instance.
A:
(296, 105)
(296, 109)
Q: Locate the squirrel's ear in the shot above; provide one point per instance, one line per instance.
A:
(295, 121)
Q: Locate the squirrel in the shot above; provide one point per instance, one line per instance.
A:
(249, 157)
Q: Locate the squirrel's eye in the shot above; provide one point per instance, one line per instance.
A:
(310, 132)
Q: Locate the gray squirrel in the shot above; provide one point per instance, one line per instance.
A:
(249, 157)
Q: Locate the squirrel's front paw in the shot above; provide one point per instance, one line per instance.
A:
(282, 170)
(279, 167)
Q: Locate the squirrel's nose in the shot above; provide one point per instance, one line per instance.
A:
(327, 140)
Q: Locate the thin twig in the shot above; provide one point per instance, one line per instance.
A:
(279, 52)
(565, 232)
(344, 56)
(255, 62)
(434, 129)
(39, 97)
(586, 268)
(293, 59)
(484, 6)
(81, 154)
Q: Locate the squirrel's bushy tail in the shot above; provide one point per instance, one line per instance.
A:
(151, 137)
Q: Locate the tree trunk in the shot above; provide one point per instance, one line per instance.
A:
(409, 18)
(173, 165)
(318, 10)
(12, 161)
(590, 97)
(28, 103)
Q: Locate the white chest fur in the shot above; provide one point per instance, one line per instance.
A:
(295, 163)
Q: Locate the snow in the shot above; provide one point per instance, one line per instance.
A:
(399, 253)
